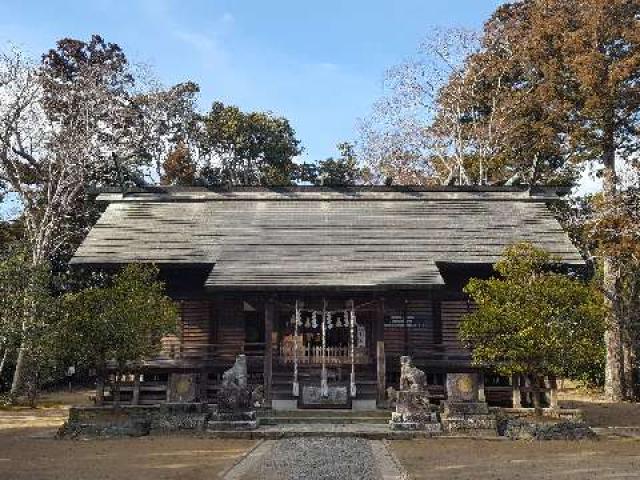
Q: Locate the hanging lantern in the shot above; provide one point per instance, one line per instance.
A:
(329, 324)
(314, 319)
(307, 324)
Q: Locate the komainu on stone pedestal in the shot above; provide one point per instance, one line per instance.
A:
(235, 400)
(411, 378)
(413, 411)
(234, 393)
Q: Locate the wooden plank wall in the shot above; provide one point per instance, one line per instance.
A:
(421, 336)
(230, 326)
(211, 328)
(452, 312)
(196, 329)
(420, 330)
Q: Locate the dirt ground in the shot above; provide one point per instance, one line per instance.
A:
(28, 450)
(598, 412)
(25, 456)
(458, 459)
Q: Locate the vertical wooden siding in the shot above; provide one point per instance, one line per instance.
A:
(231, 330)
(452, 312)
(196, 327)
(420, 328)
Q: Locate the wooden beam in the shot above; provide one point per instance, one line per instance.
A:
(269, 313)
(382, 374)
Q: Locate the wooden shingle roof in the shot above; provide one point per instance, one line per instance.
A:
(292, 238)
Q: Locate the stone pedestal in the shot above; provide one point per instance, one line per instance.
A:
(233, 421)
(413, 412)
(334, 397)
(463, 412)
(235, 409)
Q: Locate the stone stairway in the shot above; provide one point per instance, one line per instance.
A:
(326, 417)
(366, 384)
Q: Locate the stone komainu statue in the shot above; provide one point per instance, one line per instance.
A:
(235, 393)
(237, 375)
(411, 378)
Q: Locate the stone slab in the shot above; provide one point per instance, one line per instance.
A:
(311, 396)
(452, 408)
(388, 465)
(284, 405)
(363, 405)
(463, 387)
(216, 425)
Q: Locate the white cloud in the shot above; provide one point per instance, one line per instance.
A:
(227, 18)
(199, 41)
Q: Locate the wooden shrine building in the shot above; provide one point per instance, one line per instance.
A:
(318, 287)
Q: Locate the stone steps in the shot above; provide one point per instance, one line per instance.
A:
(275, 432)
(342, 420)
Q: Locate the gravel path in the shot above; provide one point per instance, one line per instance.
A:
(314, 458)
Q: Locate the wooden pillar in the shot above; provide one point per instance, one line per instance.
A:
(406, 328)
(436, 313)
(379, 321)
(269, 313)
(99, 390)
(382, 373)
(553, 392)
(170, 383)
(517, 400)
(135, 400)
(481, 393)
(203, 393)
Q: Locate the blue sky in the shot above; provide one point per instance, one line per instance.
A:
(318, 63)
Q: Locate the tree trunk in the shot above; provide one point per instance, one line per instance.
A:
(5, 355)
(18, 373)
(628, 361)
(536, 394)
(613, 337)
(614, 330)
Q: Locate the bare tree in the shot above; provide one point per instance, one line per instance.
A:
(169, 118)
(59, 135)
(443, 121)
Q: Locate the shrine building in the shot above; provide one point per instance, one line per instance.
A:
(323, 289)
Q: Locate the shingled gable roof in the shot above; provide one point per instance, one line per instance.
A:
(313, 237)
